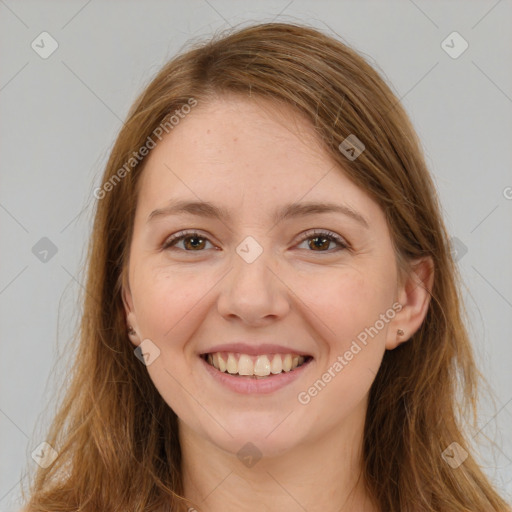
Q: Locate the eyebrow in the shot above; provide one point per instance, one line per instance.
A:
(209, 210)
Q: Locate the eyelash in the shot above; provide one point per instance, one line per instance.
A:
(315, 233)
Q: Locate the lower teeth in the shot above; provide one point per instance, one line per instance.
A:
(256, 376)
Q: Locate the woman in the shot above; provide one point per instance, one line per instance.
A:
(272, 318)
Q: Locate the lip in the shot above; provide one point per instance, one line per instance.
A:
(245, 385)
(254, 349)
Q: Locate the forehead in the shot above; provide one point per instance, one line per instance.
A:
(231, 128)
(243, 151)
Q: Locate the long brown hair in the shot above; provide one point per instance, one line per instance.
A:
(117, 439)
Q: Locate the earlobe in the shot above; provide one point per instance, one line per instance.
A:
(414, 296)
(396, 337)
(131, 328)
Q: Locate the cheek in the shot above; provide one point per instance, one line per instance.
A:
(167, 313)
(346, 304)
(166, 302)
(353, 342)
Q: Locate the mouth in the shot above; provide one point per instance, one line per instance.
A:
(264, 366)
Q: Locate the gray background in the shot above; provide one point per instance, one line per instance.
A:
(59, 118)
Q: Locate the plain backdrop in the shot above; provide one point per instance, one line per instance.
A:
(60, 115)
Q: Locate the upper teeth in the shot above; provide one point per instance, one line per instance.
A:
(261, 365)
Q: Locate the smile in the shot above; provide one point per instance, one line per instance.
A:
(256, 366)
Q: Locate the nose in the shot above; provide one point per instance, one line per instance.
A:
(253, 291)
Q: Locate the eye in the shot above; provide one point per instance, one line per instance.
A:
(193, 241)
(321, 239)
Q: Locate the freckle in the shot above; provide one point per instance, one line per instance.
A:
(235, 139)
(208, 131)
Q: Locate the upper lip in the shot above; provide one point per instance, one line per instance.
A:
(255, 349)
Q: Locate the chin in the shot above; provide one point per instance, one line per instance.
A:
(258, 436)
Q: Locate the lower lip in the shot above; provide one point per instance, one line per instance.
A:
(248, 385)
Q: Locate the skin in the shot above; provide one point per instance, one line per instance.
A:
(251, 157)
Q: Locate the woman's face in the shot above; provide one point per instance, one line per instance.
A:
(257, 288)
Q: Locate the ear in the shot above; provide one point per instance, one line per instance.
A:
(414, 292)
(131, 319)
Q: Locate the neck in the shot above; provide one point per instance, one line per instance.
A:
(322, 475)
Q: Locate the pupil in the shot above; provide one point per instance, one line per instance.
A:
(323, 241)
(194, 245)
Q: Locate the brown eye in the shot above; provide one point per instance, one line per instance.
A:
(192, 242)
(319, 241)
